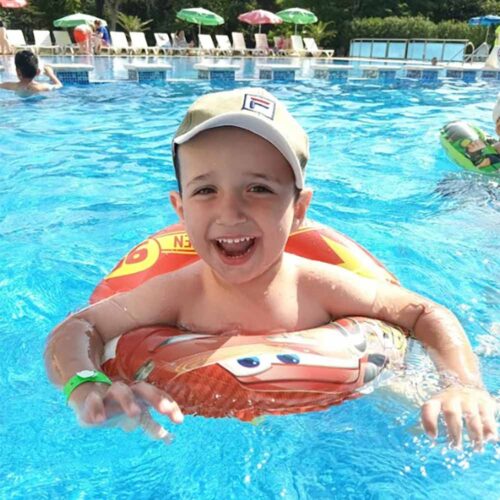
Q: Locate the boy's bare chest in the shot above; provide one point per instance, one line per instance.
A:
(269, 312)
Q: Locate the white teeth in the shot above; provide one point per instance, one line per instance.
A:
(234, 240)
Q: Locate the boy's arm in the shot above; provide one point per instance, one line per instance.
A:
(52, 77)
(442, 335)
(9, 85)
(77, 344)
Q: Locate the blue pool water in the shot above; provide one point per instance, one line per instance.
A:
(85, 174)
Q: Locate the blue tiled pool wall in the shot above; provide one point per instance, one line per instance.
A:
(147, 76)
(287, 75)
(334, 76)
(226, 76)
(113, 68)
(73, 76)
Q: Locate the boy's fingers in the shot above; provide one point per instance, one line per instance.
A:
(159, 400)
(122, 394)
(429, 416)
(452, 413)
(153, 429)
(93, 410)
(474, 426)
(490, 428)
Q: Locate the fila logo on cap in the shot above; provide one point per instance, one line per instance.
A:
(260, 105)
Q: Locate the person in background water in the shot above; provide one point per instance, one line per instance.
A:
(5, 47)
(83, 35)
(102, 37)
(27, 69)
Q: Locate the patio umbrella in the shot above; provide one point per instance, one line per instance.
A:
(199, 16)
(484, 21)
(260, 17)
(297, 16)
(13, 4)
(74, 20)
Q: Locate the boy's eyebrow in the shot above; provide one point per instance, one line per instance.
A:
(198, 178)
(265, 177)
(257, 175)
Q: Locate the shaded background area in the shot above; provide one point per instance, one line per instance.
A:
(339, 21)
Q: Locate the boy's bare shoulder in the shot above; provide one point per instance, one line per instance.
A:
(10, 86)
(321, 272)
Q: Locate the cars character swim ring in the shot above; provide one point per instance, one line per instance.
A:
(246, 376)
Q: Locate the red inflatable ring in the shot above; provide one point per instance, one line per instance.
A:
(246, 376)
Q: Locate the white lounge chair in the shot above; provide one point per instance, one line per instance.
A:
(16, 40)
(163, 43)
(44, 42)
(239, 44)
(207, 45)
(313, 49)
(119, 43)
(224, 44)
(63, 41)
(298, 48)
(262, 45)
(139, 44)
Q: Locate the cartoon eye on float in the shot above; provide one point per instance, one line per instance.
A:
(253, 365)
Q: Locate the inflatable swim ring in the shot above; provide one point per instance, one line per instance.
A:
(470, 148)
(246, 376)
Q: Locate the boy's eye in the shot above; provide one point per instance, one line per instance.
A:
(204, 190)
(260, 189)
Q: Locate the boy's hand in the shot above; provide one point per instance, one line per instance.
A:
(48, 70)
(125, 406)
(457, 403)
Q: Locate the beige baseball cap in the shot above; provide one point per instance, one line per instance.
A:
(252, 109)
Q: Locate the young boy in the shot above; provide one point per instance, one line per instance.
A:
(27, 69)
(240, 159)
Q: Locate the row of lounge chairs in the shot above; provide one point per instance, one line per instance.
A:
(165, 44)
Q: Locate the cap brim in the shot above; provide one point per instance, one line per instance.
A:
(256, 125)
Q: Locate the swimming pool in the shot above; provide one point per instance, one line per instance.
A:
(86, 174)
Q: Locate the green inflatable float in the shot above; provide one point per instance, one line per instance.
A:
(470, 148)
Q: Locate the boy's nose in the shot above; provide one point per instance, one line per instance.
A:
(231, 210)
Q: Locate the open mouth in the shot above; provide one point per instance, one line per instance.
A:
(235, 247)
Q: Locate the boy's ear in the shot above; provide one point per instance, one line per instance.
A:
(176, 201)
(301, 206)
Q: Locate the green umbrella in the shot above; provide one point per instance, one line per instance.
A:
(75, 20)
(297, 16)
(200, 16)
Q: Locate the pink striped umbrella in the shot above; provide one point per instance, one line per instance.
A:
(260, 17)
(13, 4)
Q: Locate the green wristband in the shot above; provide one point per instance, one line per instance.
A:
(83, 377)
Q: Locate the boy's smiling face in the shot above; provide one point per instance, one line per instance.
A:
(238, 201)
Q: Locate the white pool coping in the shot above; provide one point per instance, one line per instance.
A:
(148, 67)
(332, 67)
(216, 67)
(62, 67)
(276, 66)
